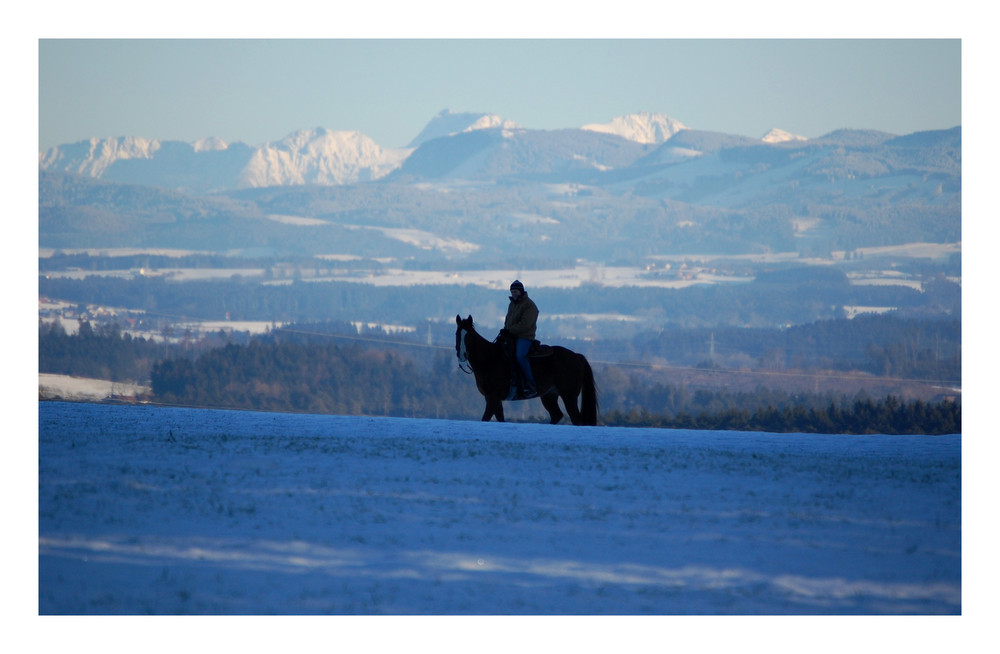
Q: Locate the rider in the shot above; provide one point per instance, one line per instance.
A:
(522, 314)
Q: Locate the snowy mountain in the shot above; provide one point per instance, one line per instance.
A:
(93, 157)
(468, 145)
(488, 154)
(643, 127)
(689, 190)
(698, 189)
(209, 144)
(320, 156)
(781, 136)
(316, 156)
(449, 123)
(327, 157)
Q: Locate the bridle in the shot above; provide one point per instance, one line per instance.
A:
(462, 354)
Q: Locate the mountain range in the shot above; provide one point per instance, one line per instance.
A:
(327, 157)
(477, 184)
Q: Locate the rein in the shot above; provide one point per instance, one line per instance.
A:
(466, 361)
(464, 353)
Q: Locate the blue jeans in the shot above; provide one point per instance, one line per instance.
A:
(521, 348)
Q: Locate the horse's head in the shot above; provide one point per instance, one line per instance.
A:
(464, 326)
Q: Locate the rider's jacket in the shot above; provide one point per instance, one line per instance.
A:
(521, 318)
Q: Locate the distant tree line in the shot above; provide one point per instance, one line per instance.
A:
(312, 378)
(106, 351)
(302, 372)
(102, 353)
(863, 416)
(884, 345)
(887, 345)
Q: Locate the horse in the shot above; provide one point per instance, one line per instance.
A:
(563, 373)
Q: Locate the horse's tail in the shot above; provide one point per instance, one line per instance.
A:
(588, 401)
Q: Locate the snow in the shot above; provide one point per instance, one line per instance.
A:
(145, 509)
(776, 135)
(320, 156)
(84, 388)
(642, 127)
(94, 156)
(422, 239)
(449, 123)
(45, 253)
(173, 274)
(499, 279)
(297, 220)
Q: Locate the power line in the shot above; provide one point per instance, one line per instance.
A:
(368, 339)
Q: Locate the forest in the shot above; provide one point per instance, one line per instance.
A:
(862, 416)
(300, 373)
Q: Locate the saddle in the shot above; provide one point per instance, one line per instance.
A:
(538, 350)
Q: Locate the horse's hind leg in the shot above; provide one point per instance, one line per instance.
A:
(551, 403)
(569, 401)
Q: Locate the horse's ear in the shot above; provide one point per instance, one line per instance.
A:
(470, 317)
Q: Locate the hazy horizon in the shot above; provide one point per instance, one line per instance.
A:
(257, 91)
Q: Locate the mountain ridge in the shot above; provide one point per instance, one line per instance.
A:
(643, 127)
(448, 123)
(571, 193)
(318, 156)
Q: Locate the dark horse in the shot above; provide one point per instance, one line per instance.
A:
(563, 373)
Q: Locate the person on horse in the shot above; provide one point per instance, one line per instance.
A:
(522, 315)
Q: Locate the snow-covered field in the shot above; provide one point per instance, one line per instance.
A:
(84, 388)
(157, 510)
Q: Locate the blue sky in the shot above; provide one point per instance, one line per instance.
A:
(261, 90)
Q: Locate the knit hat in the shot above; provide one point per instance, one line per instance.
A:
(518, 285)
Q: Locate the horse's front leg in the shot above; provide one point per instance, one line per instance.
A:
(494, 407)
